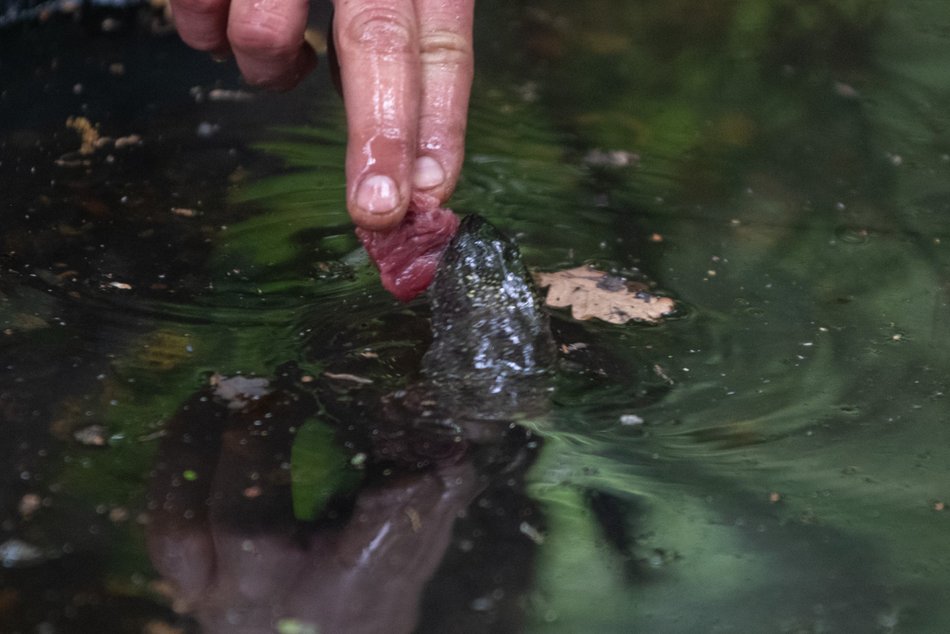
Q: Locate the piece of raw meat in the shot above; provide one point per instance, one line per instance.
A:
(407, 256)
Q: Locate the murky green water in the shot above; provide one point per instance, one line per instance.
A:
(773, 459)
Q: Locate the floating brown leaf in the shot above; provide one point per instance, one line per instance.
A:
(595, 294)
(87, 131)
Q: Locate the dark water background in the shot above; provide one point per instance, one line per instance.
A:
(781, 169)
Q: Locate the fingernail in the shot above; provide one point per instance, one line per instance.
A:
(377, 194)
(427, 173)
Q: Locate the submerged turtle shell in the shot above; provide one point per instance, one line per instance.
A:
(488, 324)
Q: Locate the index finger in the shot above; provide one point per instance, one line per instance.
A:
(378, 51)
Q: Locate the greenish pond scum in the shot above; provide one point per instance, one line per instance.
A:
(773, 458)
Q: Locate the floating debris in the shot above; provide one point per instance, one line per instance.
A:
(128, 140)
(611, 158)
(93, 436)
(239, 391)
(29, 504)
(342, 376)
(317, 40)
(221, 94)
(630, 420)
(846, 90)
(88, 132)
(415, 522)
(594, 294)
(15, 553)
(118, 514)
(531, 533)
(567, 348)
(206, 129)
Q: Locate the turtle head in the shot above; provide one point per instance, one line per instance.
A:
(487, 319)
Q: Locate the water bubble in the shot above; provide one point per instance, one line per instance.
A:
(630, 419)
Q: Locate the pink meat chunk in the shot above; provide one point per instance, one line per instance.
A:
(408, 255)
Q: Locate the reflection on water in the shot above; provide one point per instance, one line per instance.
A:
(772, 460)
(242, 561)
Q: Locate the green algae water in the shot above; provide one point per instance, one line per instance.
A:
(201, 378)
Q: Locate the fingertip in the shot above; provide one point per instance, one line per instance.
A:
(377, 194)
(279, 77)
(427, 173)
(304, 63)
(436, 173)
(268, 41)
(377, 203)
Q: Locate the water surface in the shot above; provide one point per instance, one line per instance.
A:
(772, 459)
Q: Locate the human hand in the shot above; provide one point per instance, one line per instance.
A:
(406, 70)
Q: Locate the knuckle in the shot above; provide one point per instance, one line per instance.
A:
(445, 47)
(379, 30)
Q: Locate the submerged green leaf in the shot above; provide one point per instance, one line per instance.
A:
(319, 469)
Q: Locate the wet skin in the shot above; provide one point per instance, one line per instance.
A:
(406, 71)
